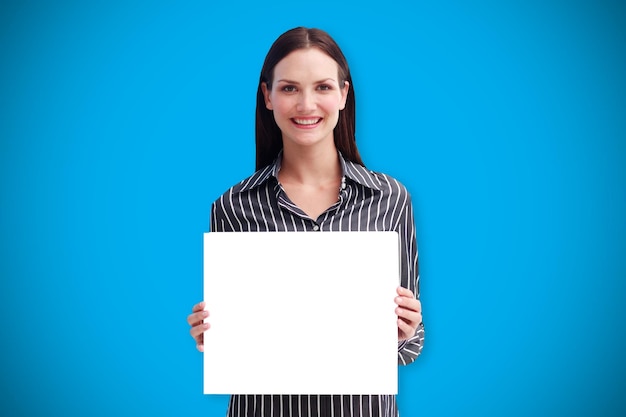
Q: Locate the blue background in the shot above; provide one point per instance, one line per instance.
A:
(120, 123)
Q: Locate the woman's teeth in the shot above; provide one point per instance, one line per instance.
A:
(306, 121)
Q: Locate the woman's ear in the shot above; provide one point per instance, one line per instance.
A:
(266, 96)
(344, 95)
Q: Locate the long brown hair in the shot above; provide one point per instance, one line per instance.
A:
(268, 136)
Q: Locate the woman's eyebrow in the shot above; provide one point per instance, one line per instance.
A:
(326, 80)
(283, 80)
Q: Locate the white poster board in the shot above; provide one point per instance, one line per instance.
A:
(301, 313)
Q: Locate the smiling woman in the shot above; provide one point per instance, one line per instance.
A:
(306, 97)
(310, 177)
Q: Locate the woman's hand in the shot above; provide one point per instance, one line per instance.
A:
(198, 327)
(409, 312)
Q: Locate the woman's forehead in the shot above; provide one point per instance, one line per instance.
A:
(305, 63)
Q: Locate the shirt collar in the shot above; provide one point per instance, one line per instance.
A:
(359, 174)
(353, 171)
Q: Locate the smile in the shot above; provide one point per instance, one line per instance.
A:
(307, 122)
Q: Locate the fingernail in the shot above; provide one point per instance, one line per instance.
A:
(205, 314)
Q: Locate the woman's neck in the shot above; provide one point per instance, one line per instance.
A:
(311, 166)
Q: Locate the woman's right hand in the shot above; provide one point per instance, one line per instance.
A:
(198, 326)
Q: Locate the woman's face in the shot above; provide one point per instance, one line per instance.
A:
(306, 97)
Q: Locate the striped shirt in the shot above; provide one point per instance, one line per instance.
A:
(367, 201)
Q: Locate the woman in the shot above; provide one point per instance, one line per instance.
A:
(310, 177)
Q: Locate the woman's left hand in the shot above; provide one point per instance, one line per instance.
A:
(409, 312)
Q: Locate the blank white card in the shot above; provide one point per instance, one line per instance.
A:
(301, 313)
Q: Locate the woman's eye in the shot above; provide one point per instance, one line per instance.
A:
(289, 89)
(324, 87)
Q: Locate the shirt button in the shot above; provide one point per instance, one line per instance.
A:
(316, 228)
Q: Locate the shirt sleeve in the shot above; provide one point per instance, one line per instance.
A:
(213, 220)
(409, 350)
(221, 216)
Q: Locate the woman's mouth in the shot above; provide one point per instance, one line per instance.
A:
(307, 122)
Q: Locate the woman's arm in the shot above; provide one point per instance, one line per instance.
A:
(409, 310)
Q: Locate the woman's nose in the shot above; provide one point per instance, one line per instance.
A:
(306, 102)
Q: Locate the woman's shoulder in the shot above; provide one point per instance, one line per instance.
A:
(391, 182)
(377, 180)
(255, 180)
